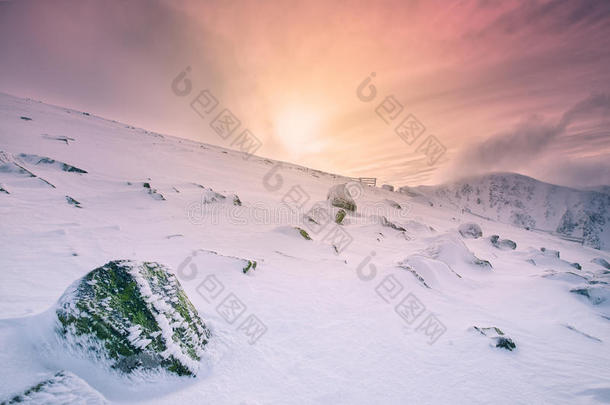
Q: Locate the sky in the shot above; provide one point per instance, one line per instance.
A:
(519, 86)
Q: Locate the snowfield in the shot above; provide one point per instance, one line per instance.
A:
(381, 308)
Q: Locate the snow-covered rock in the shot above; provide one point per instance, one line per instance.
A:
(455, 253)
(339, 196)
(390, 224)
(596, 294)
(470, 230)
(46, 161)
(62, 388)
(135, 316)
(503, 244)
(550, 258)
(498, 337)
(602, 262)
(550, 252)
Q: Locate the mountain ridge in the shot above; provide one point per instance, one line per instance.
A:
(529, 203)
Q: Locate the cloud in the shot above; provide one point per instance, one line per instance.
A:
(595, 103)
(535, 146)
(585, 173)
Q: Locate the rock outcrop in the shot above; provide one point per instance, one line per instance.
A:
(135, 316)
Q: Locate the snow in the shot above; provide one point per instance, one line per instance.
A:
(163, 313)
(579, 215)
(330, 335)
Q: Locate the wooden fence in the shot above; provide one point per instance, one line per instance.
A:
(369, 181)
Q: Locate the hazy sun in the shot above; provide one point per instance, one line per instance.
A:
(297, 128)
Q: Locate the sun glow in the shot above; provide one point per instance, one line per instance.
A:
(297, 128)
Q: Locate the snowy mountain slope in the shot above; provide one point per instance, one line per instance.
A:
(351, 327)
(525, 202)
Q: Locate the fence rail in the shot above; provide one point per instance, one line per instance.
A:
(369, 181)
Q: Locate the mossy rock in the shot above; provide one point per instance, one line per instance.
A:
(340, 216)
(386, 222)
(303, 233)
(134, 315)
(340, 197)
(250, 266)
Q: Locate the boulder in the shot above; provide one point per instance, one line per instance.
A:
(408, 191)
(498, 337)
(387, 187)
(503, 244)
(389, 224)
(153, 192)
(470, 230)
(340, 216)
(61, 388)
(340, 197)
(303, 233)
(596, 294)
(250, 266)
(550, 252)
(43, 160)
(134, 317)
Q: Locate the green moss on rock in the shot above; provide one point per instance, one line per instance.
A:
(136, 315)
(251, 265)
(303, 233)
(340, 216)
(340, 197)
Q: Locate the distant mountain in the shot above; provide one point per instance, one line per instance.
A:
(600, 189)
(529, 203)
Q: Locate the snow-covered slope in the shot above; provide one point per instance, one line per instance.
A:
(381, 308)
(526, 202)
